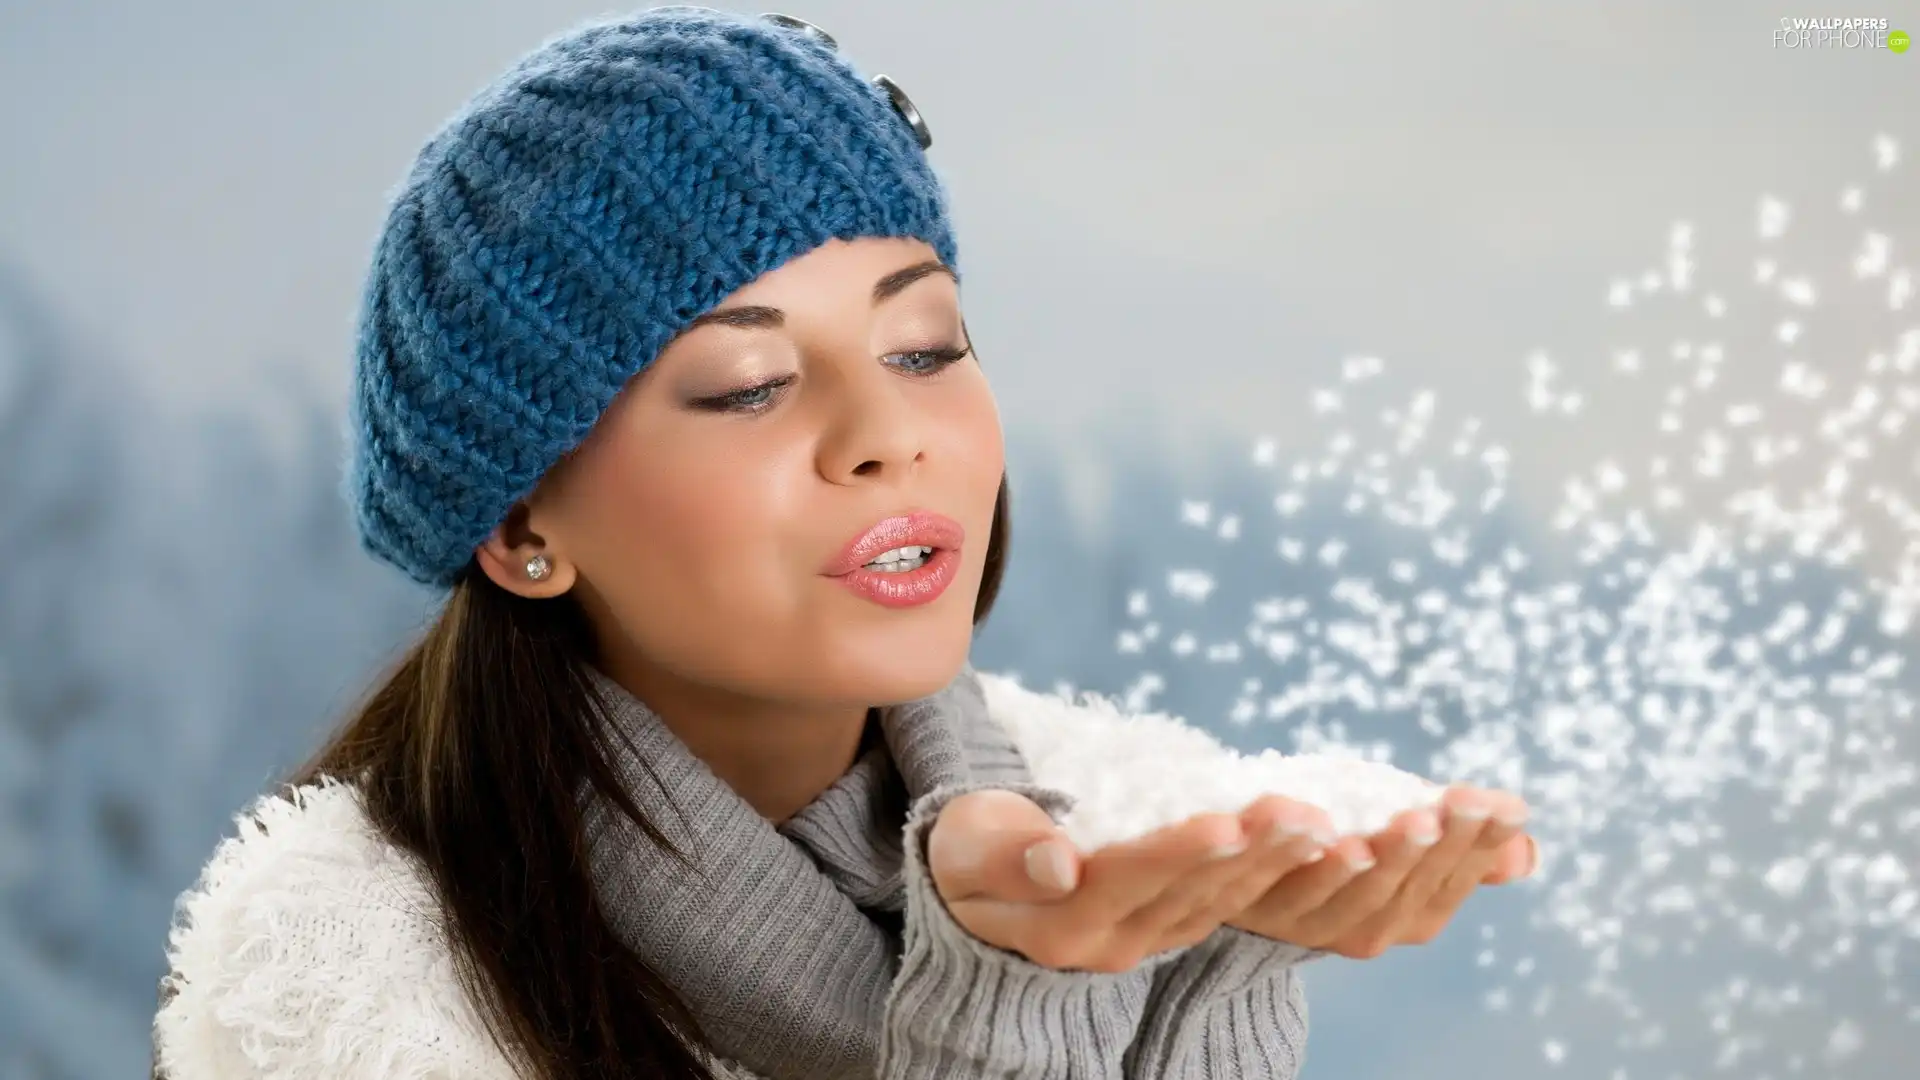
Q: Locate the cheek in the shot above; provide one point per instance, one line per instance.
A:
(690, 537)
(979, 446)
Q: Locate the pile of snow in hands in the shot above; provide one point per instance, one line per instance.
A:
(1166, 771)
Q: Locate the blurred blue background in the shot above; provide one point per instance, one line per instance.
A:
(1174, 219)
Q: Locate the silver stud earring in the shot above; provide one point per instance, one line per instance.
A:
(538, 568)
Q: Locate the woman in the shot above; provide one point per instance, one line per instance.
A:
(662, 376)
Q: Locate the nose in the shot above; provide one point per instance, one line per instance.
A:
(874, 431)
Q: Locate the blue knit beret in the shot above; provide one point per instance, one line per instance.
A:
(571, 218)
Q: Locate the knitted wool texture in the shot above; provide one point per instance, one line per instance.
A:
(570, 219)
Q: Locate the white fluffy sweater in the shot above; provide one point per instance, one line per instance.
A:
(305, 949)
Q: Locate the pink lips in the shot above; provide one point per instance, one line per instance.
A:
(909, 588)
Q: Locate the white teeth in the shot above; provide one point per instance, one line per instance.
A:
(902, 558)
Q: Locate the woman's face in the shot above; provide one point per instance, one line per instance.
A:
(712, 524)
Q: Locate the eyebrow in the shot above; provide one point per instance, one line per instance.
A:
(761, 317)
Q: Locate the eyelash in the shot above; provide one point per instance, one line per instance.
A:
(730, 402)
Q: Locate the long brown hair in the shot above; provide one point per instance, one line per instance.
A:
(470, 754)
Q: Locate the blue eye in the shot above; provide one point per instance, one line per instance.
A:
(931, 361)
(747, 399)
(920, 364)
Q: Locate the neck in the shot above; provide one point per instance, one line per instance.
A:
(777, 756)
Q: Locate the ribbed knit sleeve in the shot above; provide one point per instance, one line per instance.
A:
(1230, 1008)
(963, 1008)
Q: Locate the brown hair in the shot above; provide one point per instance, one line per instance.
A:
(470, 754)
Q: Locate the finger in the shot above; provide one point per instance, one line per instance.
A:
(1168, 872)
(1267, 824)
(999, 845)
(1049, 870)
(1445, 902)
(1509, 816)
(1120, 879)
(1467, 813)
(1282, 837)
(1518, 858)
(1242, 899)
(1368, 899)
(1308, 888)
(1280, 819)
(1454, 867)
(1189, 895)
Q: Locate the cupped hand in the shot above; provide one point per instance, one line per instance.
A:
(1402, 885)
(1010, 877)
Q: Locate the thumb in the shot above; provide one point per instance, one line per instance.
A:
(1050, 870)
(998, 845)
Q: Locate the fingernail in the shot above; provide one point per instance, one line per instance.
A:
(1425, 832)
(1229, 850)
(1323, 836)
(1471, 811)
(1512, 819)
(1280, 832)
(1050, 866)
(1533, 854)
(1360, 863)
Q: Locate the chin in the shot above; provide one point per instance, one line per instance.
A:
(904, 663)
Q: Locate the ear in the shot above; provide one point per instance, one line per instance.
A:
(505, 553)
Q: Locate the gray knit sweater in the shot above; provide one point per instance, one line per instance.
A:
(821, 949)
(310, 948)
